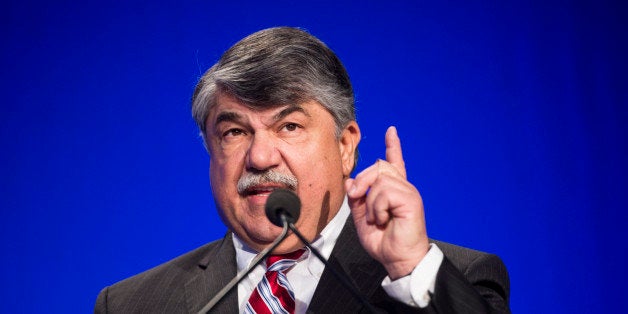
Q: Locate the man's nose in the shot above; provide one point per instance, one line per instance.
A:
(263, 153)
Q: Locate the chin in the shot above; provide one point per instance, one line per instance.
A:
(260, 236)
(290, 244)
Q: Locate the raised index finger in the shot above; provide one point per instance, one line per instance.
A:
(393, 150)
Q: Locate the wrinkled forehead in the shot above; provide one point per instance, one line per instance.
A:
(229, 108)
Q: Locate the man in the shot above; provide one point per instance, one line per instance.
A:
(277, 111)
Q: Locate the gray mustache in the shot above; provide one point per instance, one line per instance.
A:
(251, 179)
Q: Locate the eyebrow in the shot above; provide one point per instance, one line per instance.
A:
(227, 116)
(230, 116)
(287, 111)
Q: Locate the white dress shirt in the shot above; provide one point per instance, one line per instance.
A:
(304, 276)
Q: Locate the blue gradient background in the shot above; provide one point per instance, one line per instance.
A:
(512, 117)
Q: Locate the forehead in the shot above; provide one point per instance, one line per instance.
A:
(226, 102)
(229, 108)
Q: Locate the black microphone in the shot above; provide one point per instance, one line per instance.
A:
(284, 205)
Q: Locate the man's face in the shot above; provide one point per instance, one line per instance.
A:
(296, 141)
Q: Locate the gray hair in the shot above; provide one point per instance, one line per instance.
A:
(275, 67)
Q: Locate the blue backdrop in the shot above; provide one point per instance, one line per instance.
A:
(512, 117)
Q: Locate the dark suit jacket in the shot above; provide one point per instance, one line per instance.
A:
(467, 282)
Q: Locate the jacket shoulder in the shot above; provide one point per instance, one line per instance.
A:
(485, 272)
(149, 285)
(462, 257)
(185, 263)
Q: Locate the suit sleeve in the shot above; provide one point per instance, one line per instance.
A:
(101, 301)
(482, 287)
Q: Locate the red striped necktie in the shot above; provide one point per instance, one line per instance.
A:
(274, 294)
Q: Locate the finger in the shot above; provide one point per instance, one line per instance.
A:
(356, 204)
(393, 150)
(379, 210)
(360, 185)
(386, 193)
(365, 179)
(348, 184)
(369, 199)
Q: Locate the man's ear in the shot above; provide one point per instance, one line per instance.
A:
(348, 143)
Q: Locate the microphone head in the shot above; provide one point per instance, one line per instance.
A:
(282, 202)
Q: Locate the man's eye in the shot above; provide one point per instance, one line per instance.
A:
(290, 126)
(233, 132)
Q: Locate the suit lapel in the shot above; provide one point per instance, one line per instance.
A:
(348, 257)
(216, 269)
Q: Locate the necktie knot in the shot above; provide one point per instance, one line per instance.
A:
(283, 262)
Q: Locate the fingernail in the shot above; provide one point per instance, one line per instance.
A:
(352, 190)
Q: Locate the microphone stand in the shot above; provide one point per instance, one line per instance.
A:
(339, 276)
(256, 261)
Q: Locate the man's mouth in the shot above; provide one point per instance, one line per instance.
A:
(262, 190)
